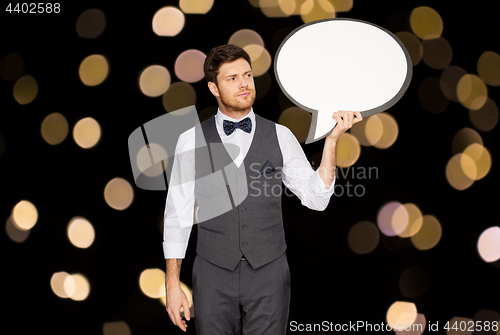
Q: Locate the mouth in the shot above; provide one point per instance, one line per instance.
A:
(244, 94)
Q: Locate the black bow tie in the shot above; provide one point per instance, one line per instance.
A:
(230, 126)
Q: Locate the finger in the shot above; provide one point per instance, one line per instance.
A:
(359, 117)
(350, 117)
(187, 313)
(178, 321)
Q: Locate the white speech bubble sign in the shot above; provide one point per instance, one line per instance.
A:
(341, 64)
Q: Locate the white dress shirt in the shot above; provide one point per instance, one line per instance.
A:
(298, 176)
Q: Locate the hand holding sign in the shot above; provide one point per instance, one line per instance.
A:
(341, 64)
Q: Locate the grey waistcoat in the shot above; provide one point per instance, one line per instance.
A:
(244, 205)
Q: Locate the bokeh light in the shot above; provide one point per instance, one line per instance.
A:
(449, 80)
(401, 313)
(472, 92)
(91, 23)
(94, 70)
(426, 23)
(390, 132)
(468, 166)
(189, 66)
(486, 117)
(277, 8)
(11, 66)
(87, 133)
(348, 150)
(24, 215)
(298, 121)
(62, 284)
(437, 53)
(260, 57)
(363, 237)
(116, 328)
(196, 6)
(342, 5)
(144, 159)
(413, 45)
(465, 137)
(179, 95)
(80, 232)
(168, 21)
(455, 173)
(481, 159)
(14, 233)
(154, 80)
(414, 281)
(488, 244)
(431, 97)
(415, 219)
(390, 220)
(25, 89)
(82, 287)
(488, 68)
(118, 193)
(54, 128)
(245, 37)
(152, 283)
(313, 10)
(429, 234)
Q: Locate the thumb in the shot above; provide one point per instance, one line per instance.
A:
(187, 313)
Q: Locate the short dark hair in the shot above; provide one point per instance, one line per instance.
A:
(226, 53)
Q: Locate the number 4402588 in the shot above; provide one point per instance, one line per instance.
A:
(33, 8)
(474, 326)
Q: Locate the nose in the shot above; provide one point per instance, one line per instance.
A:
(243, 82)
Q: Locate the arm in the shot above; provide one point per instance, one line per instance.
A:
(178, 221)
(175, 296)
(326, 169)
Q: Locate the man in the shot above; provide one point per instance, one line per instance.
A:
(241, 280)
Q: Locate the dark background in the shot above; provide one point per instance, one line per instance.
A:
(329, 281)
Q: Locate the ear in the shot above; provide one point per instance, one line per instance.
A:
(213, 88)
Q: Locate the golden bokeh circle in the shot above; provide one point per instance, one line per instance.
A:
(486, 117)
(144, 159)
(168, 21)
(401, 313)
(196, 6)
(455, 174)
(472, 92)
(154, 80)
(152, 283)
(437, 53)
(80, 232)
(363, 237)
(298, 121)
(25, 89)
(260, 57)
(429, 234)
(488, 244)
(54, 128)
(415, 220)
(189, 66)
(448, 81)
(390, 132)
(488, 68)
(481, 158)
(82, 287)
(348, 150)
(313, 10)
(94, 70)
(465, 137)
(179, 95)
(24, 215)
(87, 132)
(91, 23)
(118, 193)
(245, 37)
(426, 23)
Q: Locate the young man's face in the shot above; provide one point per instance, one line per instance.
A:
(235, 91)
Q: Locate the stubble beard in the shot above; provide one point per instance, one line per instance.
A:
(235, 105)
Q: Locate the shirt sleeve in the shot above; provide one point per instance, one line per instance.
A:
(179, 207)
(298, 175)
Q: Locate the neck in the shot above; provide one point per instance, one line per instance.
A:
(235, 114)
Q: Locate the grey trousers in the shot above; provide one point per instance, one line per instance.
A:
(245, 301)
